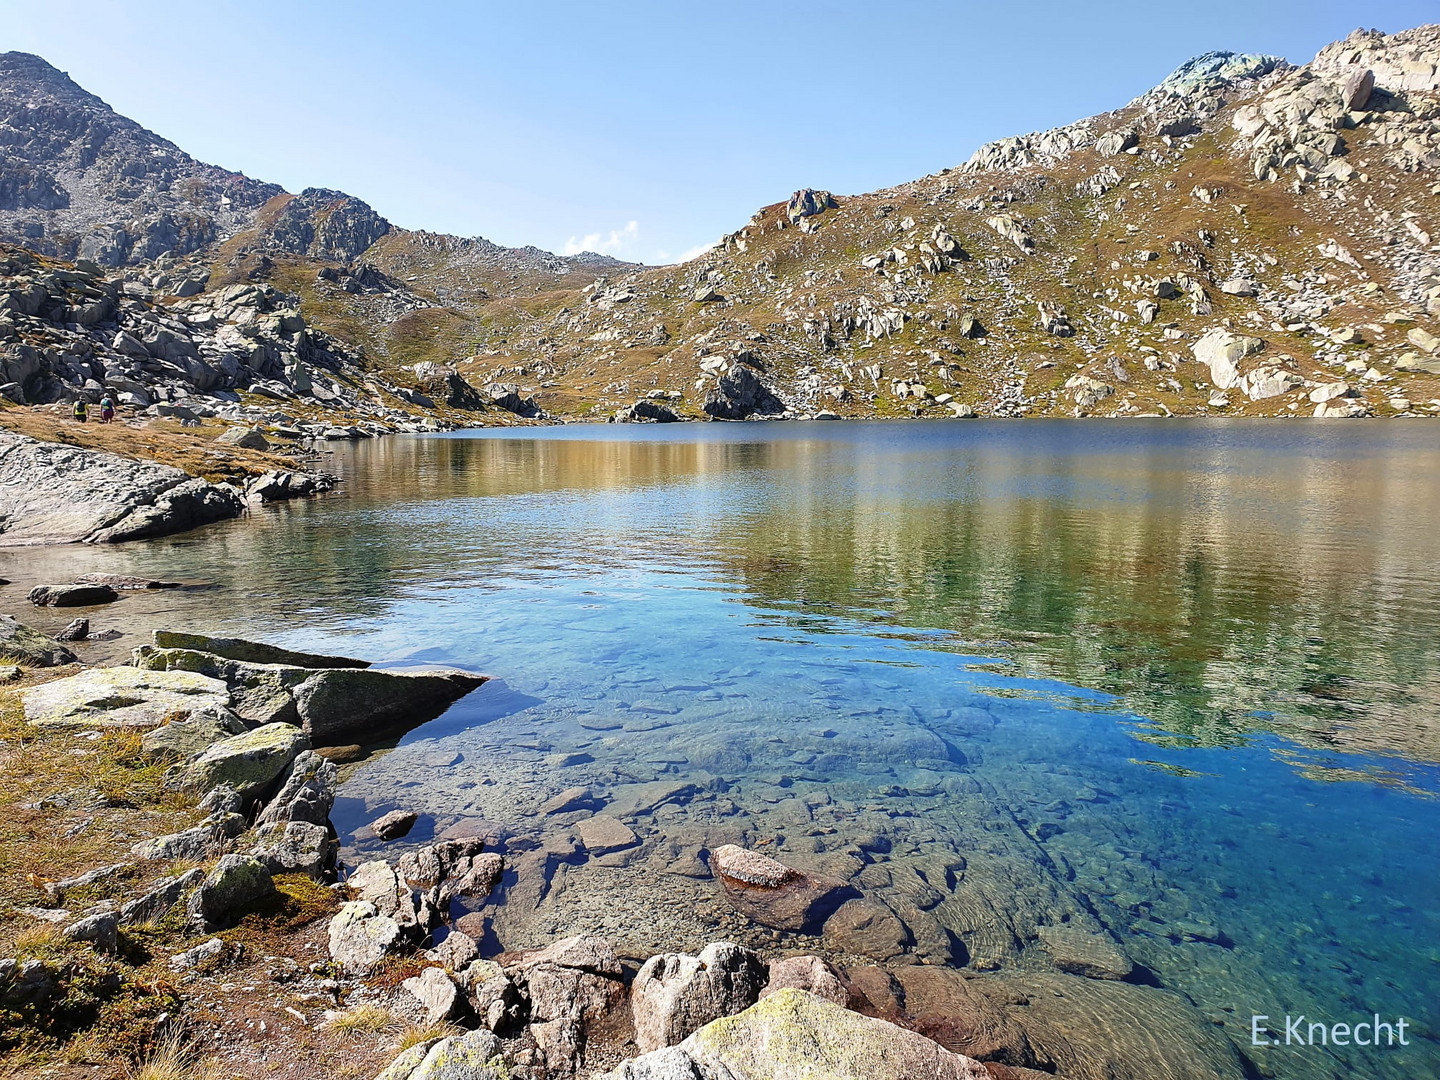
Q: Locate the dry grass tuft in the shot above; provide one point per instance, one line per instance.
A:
(416, 1034)
(174, 1058)
(363, 1020)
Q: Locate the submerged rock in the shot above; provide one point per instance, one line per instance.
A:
(1082, 952)
(24, 645)
(776, 895)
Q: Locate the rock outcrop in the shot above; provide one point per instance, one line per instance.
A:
(56, 494)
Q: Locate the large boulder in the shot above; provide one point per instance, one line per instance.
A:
(121, 697)
(72, 595)
(674, 994)
(472, 1056)
(307, 792)
(361, 938)
(250, 763)
(740, 393)
(52, 493)
(775, 895)
(236, 882)
(795, 1035)
(251, 652)
(340, 705)
(19, 644)
(1222, 352)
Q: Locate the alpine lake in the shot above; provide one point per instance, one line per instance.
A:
(1175, 684)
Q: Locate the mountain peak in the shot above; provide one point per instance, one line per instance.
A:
(22, 71)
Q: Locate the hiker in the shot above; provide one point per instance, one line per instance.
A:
(170, 395)
(107, 409)
(79, 411)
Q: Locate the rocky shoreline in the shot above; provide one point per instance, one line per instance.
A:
(221, 923)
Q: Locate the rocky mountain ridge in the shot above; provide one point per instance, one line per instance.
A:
(1250, 237)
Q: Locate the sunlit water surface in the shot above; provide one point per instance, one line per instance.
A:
(1180, 680)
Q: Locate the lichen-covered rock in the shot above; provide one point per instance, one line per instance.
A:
(23, 645)
(795, 1035)
(295, 847)
(120, 697)
(198, 842)
(261, 693)
(99, 930)
(251, 652)
(183, 737)
(236, 881)
(674, 994)
(250, 763)
(307, 792)
(162, 897)
(361, 937)
(473, 1056)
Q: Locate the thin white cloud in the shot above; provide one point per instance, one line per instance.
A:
(664, 259)
(601, 244)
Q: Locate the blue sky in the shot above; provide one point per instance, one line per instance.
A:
(642, 129)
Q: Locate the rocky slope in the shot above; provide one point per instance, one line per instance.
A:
(1247, 238)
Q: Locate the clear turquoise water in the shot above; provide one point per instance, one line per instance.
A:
(1178, 681)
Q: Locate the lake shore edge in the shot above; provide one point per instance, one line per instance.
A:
(237, 932)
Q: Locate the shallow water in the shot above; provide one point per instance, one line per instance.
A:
(1178, 681)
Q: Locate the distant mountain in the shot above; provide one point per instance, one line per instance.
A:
(78, 180)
